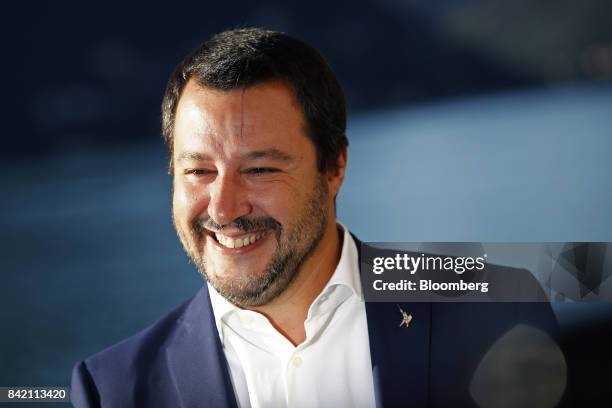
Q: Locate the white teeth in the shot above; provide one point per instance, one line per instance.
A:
(239, 242)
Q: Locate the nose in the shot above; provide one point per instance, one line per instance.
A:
(228, 199)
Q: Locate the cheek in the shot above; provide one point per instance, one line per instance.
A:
(188, 203)
(279, 202)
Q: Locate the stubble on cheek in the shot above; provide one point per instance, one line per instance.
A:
(189, 238)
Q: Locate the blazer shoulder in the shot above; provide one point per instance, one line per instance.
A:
(111, 376)
(145, 343)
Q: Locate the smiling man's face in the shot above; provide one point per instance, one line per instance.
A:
(249, 204)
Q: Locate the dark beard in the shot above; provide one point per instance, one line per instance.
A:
(295, 245)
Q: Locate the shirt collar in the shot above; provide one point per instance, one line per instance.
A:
(347, 270)
(221, 308)
(346, 275)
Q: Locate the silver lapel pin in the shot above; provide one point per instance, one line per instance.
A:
(406, 318)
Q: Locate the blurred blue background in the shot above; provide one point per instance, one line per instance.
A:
(470, 120)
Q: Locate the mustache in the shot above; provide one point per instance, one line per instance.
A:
(244, 224)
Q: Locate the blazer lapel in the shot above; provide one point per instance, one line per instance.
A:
(196, 360)
(400, 355)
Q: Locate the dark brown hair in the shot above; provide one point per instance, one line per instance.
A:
(240, 58)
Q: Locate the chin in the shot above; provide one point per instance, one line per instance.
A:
(226, 271)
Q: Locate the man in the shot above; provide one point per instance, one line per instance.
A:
(255, 126)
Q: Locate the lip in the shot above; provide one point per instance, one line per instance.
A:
(236, 251)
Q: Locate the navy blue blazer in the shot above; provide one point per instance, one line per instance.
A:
(179, 361)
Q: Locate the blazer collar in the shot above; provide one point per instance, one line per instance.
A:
(196, 359)
(400, 355)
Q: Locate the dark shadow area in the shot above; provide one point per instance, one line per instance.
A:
(80, 74)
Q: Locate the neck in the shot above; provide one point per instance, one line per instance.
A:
(288, 312)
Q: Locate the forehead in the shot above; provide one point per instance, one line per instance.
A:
(263, 116)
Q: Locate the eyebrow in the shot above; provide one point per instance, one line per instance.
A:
(195, 156)
(272, 153)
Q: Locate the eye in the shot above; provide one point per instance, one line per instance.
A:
(257, 171)
(198, 172)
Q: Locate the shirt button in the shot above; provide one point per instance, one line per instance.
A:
(296, 361)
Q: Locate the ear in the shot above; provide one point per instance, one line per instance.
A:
(335, 177)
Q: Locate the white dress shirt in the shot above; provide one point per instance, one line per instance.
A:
(331, 368)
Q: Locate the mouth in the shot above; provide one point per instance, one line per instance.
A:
(236, 244)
